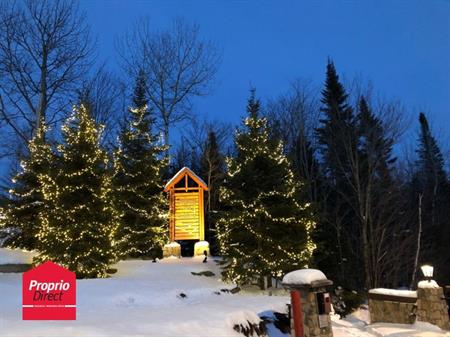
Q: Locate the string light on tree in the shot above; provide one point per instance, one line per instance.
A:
(138, 188)
(78, 228)
(26, 197)
(264, 231)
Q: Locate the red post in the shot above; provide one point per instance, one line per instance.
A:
(297, 314)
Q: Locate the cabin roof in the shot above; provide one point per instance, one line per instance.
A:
(180, 175)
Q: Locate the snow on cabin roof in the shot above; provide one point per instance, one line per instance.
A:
(181, 173)
(304, 276)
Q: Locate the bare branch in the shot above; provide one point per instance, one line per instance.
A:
(179, 66)
(45, 49)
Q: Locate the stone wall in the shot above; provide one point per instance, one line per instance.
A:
(432, 307)
(385, 305)
(391, 312)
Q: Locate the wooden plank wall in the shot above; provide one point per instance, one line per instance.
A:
(187, 216)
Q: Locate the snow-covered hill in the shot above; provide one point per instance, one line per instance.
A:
(144, 299)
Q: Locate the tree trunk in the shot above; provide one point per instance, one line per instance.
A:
(40, 112)
(366, 256)
(166, 141)
(209, 200)
(419, 235)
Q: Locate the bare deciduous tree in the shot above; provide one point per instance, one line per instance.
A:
(211, 140)
(105, 94)
(196, 134)
(375, 191)
(293, 117)
(295, 112)
(390, 111)
(374, 195)
(179, 66)
(45, 49)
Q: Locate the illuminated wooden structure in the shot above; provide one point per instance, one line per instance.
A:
(186, 211)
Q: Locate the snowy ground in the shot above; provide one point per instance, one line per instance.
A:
(15, 256)
(357, 325)
(142, 299)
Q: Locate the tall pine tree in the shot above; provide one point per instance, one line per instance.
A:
(27, 200)
(77, 229)
(263, 232)
(377, 197)
(138, 188)
(337, 234)
(336, 133)
(434, 186)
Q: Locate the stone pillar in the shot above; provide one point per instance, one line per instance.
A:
(312, 285)
(431, 305)
(200, 247)
(172, 249)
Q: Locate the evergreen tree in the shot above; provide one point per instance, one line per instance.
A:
(337, 234)
(377, 196)
(431, 161)
(181, 158)
(79, 224)
(306, 165)
(263, 231)
(433, 184)
(375, 146)
(213, 173)
(27, 200)
(336, 135)
(138, 188)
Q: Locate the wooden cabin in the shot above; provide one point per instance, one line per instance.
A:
(186, 211)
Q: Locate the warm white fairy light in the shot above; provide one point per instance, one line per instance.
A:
(139, 197)
(273, 257)
(25, 196)
(77, 229)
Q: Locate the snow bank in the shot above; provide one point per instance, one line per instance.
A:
(394, 292)
(15, 256)
(418, 329)
(425, 326)
(304, 276)
(357, 325)
(428, 284)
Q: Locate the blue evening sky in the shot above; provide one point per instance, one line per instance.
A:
(403, 47)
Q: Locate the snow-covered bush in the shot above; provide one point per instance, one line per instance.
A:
(346, 301)
(247, 323)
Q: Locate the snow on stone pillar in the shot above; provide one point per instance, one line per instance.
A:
(315, 302)
(200, 248)
(172, 249)
(431, 304)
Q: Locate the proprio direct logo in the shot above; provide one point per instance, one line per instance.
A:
(49, 293)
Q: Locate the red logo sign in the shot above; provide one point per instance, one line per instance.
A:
(49, 293)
